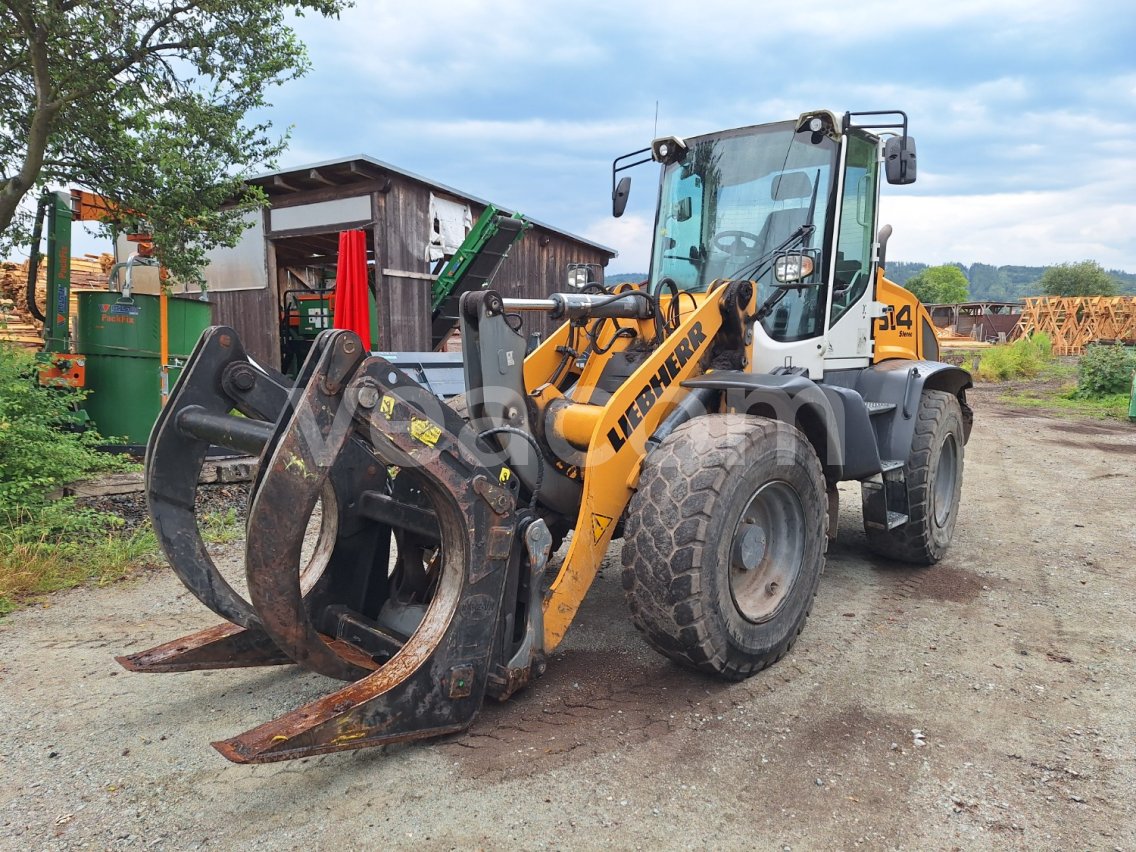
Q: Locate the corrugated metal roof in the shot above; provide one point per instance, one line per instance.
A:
(361, 168)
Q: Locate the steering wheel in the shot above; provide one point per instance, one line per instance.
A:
(735, 242)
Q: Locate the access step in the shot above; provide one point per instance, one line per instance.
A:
(896, 519)
(875, 408)
(884, 496)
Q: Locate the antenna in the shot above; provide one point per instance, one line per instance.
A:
(655, 135)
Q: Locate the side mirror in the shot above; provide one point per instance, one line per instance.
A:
(899, 160)
(619, 197)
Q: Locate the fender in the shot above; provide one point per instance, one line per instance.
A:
(901, 382)
(834, 419)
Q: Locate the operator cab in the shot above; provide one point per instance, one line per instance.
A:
(790, 205)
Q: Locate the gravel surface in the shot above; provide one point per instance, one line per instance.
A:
(985, 703)
(132, 507)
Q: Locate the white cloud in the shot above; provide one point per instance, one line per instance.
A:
(417, 49)
(1028, 228)
(630, 235)
(1023, 123)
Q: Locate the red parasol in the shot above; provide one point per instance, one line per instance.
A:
(352, 304)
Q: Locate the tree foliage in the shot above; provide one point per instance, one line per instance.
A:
(939, 285)
(144, 102)
(1086, 278)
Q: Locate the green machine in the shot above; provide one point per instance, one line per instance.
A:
(1132, 401)
(473, 265)
(120, 333)
(117, 352)
(59, 365)
(56, 208)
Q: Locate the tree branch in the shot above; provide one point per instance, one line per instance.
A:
(39, 129)
(135, 56)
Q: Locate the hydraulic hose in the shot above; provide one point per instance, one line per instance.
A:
(33, 260)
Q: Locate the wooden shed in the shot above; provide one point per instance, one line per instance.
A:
(412, 224)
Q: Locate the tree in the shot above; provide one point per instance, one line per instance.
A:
(940, 285)
(144, 102)
(1086, 278)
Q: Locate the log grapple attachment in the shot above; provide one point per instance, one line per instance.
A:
(420, 583)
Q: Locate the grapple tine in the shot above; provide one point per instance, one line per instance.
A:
(291, 480)
(173, 466)
(218, 377)
(223, 646)
(423, 647)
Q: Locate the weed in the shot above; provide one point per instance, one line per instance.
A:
(1024, 358)
(60, 545)
(1114, 406)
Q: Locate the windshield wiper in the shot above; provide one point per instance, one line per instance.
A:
(803, 234)
(757, 268)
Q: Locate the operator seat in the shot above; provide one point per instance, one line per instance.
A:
(785, 220)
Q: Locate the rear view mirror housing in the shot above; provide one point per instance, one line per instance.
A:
(899, 160)
(619, 197)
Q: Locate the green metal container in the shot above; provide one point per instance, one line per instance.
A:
(121, 340)
(1132, 401)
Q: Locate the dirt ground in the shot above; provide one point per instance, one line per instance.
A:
(985, 703)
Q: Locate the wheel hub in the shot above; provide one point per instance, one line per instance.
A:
(767, 551)
(942, 495)
(749, 547)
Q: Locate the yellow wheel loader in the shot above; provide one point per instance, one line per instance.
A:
(705, 416)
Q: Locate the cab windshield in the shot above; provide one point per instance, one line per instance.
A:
(736, 198)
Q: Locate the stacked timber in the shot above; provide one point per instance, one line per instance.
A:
(1074, 322)
(17, 324)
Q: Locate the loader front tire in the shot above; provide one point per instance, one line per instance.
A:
(934, 485)
(725, 543)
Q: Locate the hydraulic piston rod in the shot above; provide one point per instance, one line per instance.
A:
(632, 305)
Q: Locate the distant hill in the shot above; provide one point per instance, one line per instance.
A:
(987, 283)
(623, 277)
(1001, 283)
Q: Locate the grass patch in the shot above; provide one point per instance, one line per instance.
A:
(1112, 406)
(60, 546)
(1025, 358)
(223, 527)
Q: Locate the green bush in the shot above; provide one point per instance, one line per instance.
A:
(1023, 358)
(48, 544)
(38, 450)
(1105, 369)
(1043, 343)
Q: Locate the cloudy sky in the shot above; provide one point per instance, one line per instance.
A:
(1024, 110)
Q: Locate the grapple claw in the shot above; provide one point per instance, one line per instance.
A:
(422, 629)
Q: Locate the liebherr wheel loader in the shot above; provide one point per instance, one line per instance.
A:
(705, 416)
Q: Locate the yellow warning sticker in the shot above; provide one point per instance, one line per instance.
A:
(505, 475)
(386, 407)
(600, 523)
(425, 431)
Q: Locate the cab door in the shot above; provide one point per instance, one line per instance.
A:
(851, 294)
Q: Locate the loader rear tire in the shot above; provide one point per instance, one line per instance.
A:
(934, 484)
(725, 543)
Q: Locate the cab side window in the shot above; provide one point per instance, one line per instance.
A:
(857, 216)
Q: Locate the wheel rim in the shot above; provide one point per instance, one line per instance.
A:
(767, 551)
(946, 475)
